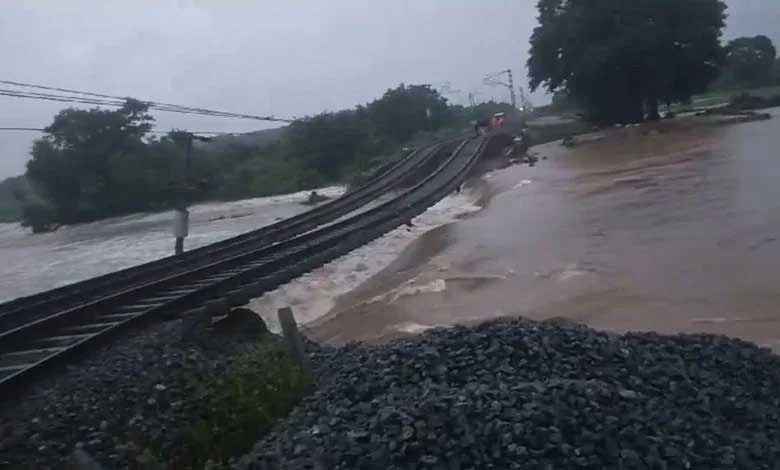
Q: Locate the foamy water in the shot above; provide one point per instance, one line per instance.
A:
(33, 263)
(314, 294)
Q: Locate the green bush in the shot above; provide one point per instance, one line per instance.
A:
(39, 215)
(235, 411)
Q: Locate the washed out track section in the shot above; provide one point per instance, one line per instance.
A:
(22, 310)
(36, 347)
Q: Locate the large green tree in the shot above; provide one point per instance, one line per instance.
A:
(72, 166)
(407, 109)
(620, 58)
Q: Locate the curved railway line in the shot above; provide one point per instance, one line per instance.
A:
(216, 278)
(19, 311)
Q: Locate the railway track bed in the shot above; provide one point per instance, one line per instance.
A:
(37, 347)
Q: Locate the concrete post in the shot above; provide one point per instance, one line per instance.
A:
(293, 338)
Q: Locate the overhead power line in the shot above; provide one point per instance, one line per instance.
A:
(116, 103)
(39, 129)
(114, 100)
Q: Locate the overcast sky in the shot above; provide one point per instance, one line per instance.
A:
(288, 58)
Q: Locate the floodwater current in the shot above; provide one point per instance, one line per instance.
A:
(670, 228)
(33, 263)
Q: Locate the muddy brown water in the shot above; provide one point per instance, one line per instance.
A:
(676, 230)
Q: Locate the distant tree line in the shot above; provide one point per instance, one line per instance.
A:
(99, 163)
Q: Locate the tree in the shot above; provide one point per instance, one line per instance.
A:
(99, 163)
(618, 58)
(750, 60)
(405, 110)
(327, 143)
(72, 165)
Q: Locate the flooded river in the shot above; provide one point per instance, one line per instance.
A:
(646, 228)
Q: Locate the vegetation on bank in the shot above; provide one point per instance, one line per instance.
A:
(99, 163)
(230, 414)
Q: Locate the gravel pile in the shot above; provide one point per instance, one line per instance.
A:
(524, 395)
(141, 389)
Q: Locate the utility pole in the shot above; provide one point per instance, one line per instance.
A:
(473, 98)
(525, 103)
(182, 221)
(494, 79)
(512, 88)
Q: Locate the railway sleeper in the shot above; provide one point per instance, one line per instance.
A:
(60, 340)
(137, 307)
(197, 285)
(234, 271)
(180, 291)
(27, 356)
(165, 296)
(90, 327)
(217, 277)
(8, 370)
(117, 316)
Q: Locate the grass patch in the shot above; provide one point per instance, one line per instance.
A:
(231, 413)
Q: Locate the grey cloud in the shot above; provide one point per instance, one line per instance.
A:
(263, 56)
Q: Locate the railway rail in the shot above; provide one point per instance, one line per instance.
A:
(22, 310)
(34, 348)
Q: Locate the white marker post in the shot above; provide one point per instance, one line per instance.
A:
(181, 228)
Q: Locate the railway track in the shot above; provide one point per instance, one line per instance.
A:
(34, 348)
(22, 310)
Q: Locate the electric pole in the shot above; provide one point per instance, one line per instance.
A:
(182, 221)
(512, 88)
(473, 98)
(496, 79)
